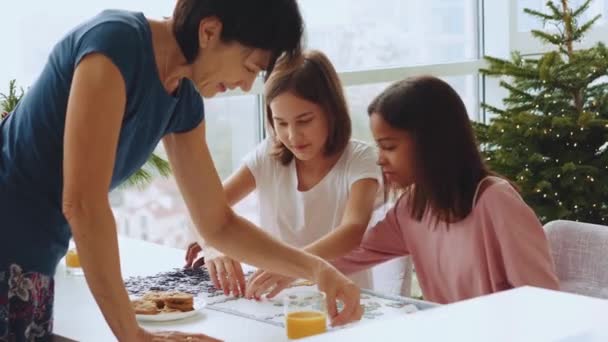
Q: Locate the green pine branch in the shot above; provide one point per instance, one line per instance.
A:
(154, 166)
(160, 165)
(580, 32)
(551, 38)
(545, 17)
(582, 8)
(9, 101)
(557, 13)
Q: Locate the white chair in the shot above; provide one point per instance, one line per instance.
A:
(394, 277)
(580, 252)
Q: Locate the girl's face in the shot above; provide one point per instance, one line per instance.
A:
(396, 151)
(300, 125)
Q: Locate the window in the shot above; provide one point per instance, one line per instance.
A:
(358, 35)
(232, 129)
(157, 212)
(360, 96)
(33, 27)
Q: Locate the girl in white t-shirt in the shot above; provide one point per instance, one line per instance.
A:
(317, 188)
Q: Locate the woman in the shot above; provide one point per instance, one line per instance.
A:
(111, 90)
(316, 186)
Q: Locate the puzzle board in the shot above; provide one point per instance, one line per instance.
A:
(269, 311)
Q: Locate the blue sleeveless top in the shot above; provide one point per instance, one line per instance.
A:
(33, 231)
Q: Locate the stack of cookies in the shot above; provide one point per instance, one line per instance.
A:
(153, 303)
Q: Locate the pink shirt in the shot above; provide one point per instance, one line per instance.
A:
(500, 245)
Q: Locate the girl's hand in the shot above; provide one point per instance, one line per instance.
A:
(262, 281)
(191, 254)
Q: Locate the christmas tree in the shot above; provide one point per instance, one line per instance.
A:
(154, 166)
(551, 136)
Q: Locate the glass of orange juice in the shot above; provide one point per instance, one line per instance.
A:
(72, 262)
(305, 313)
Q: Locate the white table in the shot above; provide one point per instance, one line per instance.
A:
(522, 314)
(77, 316)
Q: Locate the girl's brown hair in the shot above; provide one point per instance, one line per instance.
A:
(447, 163)
(312, 77)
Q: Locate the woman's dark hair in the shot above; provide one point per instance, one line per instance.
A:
(447, 163)
(273, 25)
(311, 77)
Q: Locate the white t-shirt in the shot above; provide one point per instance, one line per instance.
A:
(302, 217)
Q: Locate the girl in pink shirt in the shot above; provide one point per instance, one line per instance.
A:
(469, 232)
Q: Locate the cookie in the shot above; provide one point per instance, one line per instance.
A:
(157, 297)
(144, 307)
(180, 307)
(179, 300)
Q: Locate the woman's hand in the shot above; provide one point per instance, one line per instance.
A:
(263, 281)
(191, 255)
(338, 287)
(146, 336)
(227, 274)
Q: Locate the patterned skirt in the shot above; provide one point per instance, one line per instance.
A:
(26, 305)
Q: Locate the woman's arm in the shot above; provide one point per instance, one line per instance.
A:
(93, 119)
(221, 227)
(226, 273)
(214, 219)
(382, 242)
(355, 220)
(236, 187)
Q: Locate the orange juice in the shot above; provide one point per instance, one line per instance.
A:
(305, 323)
(71, 259)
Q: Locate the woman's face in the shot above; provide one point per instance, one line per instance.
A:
(300, 125)
(396, 151)
(221, 66)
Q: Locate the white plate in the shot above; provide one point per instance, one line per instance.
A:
(172, 316)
